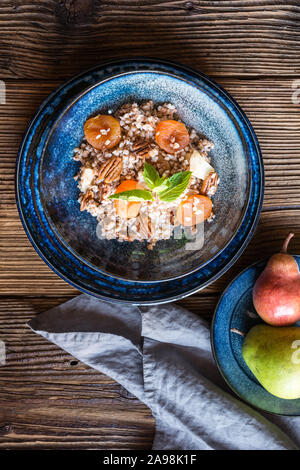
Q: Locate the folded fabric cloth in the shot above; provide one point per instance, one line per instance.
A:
(162, 355)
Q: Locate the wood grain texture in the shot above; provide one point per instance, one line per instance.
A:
(48, 400)
(55, 39)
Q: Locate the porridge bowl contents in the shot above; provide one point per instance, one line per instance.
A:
(139, 181)
(142, 174)
(152, 184)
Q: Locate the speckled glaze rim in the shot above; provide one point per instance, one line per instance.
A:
(143, 64)
(213, 340)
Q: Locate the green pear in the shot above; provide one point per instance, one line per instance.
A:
(273, 356)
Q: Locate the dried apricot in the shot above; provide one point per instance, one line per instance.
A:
(127, 209)
(171, 136)
(103, 131)
(194, 210)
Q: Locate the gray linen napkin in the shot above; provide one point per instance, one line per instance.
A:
(162, 355)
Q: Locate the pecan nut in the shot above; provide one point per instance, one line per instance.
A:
(141, 148)
(110, 170)
(87, 197)
(210, 184)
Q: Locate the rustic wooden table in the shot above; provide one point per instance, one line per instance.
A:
(252, 48)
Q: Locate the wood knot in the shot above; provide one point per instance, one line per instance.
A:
(74, 11)
(189, 6)
(73, 363)
(5, 429)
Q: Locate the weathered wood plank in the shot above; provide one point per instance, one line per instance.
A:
(45, 38)
(40, 418)
(49, 400)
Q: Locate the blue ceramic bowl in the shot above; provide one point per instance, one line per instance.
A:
(235, 310)
(66, 238)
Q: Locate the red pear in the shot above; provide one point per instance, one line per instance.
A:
(276, 293)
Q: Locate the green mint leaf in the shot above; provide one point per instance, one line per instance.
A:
(133, 195)
(162, 186)
(150, 175)
(179, 178)
(175, 185)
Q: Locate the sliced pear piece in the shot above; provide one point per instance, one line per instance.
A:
(86, 178)
(200, 166)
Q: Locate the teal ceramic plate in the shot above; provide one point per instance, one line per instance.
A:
(235, 310)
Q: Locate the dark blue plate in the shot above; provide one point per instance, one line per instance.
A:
(66, 239)
(235, 310)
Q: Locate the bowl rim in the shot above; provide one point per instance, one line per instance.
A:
(212, 341)
(231, 261)
(86, 261)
